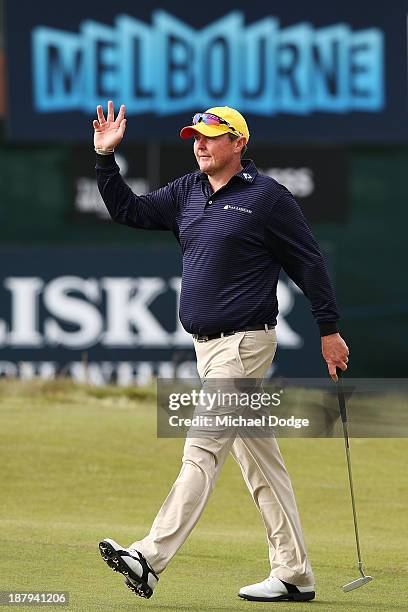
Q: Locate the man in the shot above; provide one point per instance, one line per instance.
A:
(237, 229)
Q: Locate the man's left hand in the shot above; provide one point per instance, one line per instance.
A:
(335, 352)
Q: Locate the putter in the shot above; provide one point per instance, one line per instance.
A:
(354, 584)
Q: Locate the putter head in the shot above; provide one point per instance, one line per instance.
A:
(355, 584)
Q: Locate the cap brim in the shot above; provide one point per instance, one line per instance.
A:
(203, 128)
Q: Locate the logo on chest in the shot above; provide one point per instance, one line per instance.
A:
(238, 208)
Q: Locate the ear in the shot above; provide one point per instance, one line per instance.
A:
(239, 144)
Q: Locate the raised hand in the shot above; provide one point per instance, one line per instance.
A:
(109, 132)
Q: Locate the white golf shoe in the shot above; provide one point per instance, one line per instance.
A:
(139, 576)
(273, 589)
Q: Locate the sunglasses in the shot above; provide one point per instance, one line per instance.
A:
(210, 119)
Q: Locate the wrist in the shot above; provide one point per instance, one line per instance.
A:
(327, 328)
(104, 151)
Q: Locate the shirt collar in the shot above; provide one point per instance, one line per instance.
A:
(247, 174)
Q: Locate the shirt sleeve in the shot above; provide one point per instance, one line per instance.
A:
(153, 211)
(292, 243)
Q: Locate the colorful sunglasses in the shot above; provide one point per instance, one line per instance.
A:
(210, 119)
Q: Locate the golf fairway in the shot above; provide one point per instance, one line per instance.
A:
(79, 464)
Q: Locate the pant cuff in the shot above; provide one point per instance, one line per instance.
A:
(292, 577)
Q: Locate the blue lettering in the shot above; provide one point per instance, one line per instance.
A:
(136, 67)
(175, 65)
(220, 78)
(366, 70)
(217, 67)
(100, 64)
(258, 66)
(168, 67)
(180, 59)
(57, 70)
(294, 66)
(330, 69)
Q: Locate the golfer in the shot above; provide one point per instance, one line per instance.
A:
(237, 228)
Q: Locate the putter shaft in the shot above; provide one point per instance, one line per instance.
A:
(355, 584)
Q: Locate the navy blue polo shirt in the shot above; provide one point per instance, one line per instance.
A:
(234, 243)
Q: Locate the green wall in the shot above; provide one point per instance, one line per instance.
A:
(370, 259)
(368, 251)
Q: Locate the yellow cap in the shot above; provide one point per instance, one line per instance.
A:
(234, 118)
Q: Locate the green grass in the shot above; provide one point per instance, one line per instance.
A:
(79, 464)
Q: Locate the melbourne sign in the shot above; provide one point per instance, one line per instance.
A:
(167, 66)
(298, 72)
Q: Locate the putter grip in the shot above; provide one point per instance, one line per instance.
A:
(340, 397)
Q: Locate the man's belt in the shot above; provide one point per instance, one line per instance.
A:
(264, 326)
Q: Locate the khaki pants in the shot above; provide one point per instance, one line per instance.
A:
(243, 355)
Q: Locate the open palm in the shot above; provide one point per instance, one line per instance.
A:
(109, 132)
